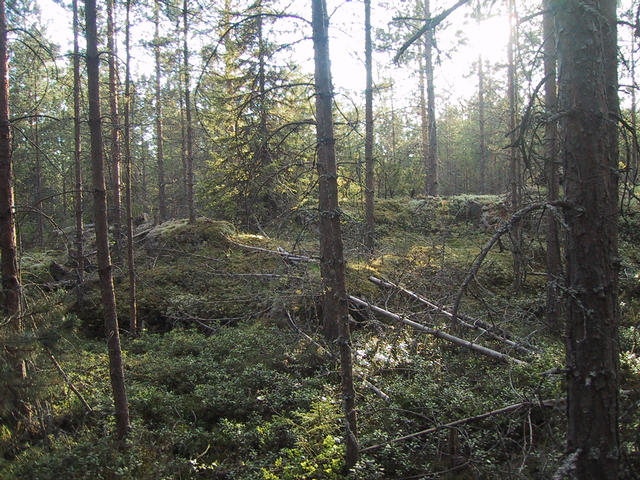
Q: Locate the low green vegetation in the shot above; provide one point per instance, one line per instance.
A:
(223, 385)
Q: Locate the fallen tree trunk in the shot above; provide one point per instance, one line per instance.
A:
(438, 333)
(68, 381)
(511, 408)
(464, 320)
(281, 252)
(504, 228)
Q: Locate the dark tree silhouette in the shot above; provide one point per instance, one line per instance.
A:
(588, 98)
(553, 255)
(8, 248)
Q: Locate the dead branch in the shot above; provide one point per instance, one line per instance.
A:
(358, 374)
(431, 23)
(511, 408)
(201, 321)
(438, 333)
(142, 234)
(480, 258)
(280, 252)
(465, 320)
(68, 381)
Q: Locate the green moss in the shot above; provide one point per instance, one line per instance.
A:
(183, 234)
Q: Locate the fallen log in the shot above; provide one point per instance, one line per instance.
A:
(68, 381)
(511, 408)
(281, 252)
(504, 228)
(503, 357)
(464, 320)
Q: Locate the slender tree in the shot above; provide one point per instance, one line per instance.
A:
(369, 239)
(102, 235)
(553, 255)
(187, 107)
(35, 126)
(634, 116)
(335, 308)
(183, 149)
(514, 163)
(115, 132)
(162, 199)
(481, 127)
(77, 152)
(424, 122)
(133, 317)
(263, 157)
(588, 98)
(431, 187)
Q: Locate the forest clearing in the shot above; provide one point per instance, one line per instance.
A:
(225, 255)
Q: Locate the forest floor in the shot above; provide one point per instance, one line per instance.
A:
(232, 379)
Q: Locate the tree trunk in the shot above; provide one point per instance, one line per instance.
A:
(394, 140)
(143, 172)
(588, 95)
(424, 123)
(162, 199)
(77, 151)
(102, 239)
(369, 238)
(187, 106)
(38, 173)
(263, 193)
(514, 164)
(432, 177)
(633, 168)
(133, 317)
(481, 126)
(11, 290)
(8, 246)
(553, 255)
(264, 156)
(335, 306)
(115, 133)
(183, 151)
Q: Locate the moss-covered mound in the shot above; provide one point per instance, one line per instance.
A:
(182, 234)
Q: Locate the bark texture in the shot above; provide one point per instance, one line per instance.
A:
(553, 255)
(589, 101)
(11, 289)
(102, 240)
(115, 133)
(8, 247)
(133, 309)
(335, 306)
